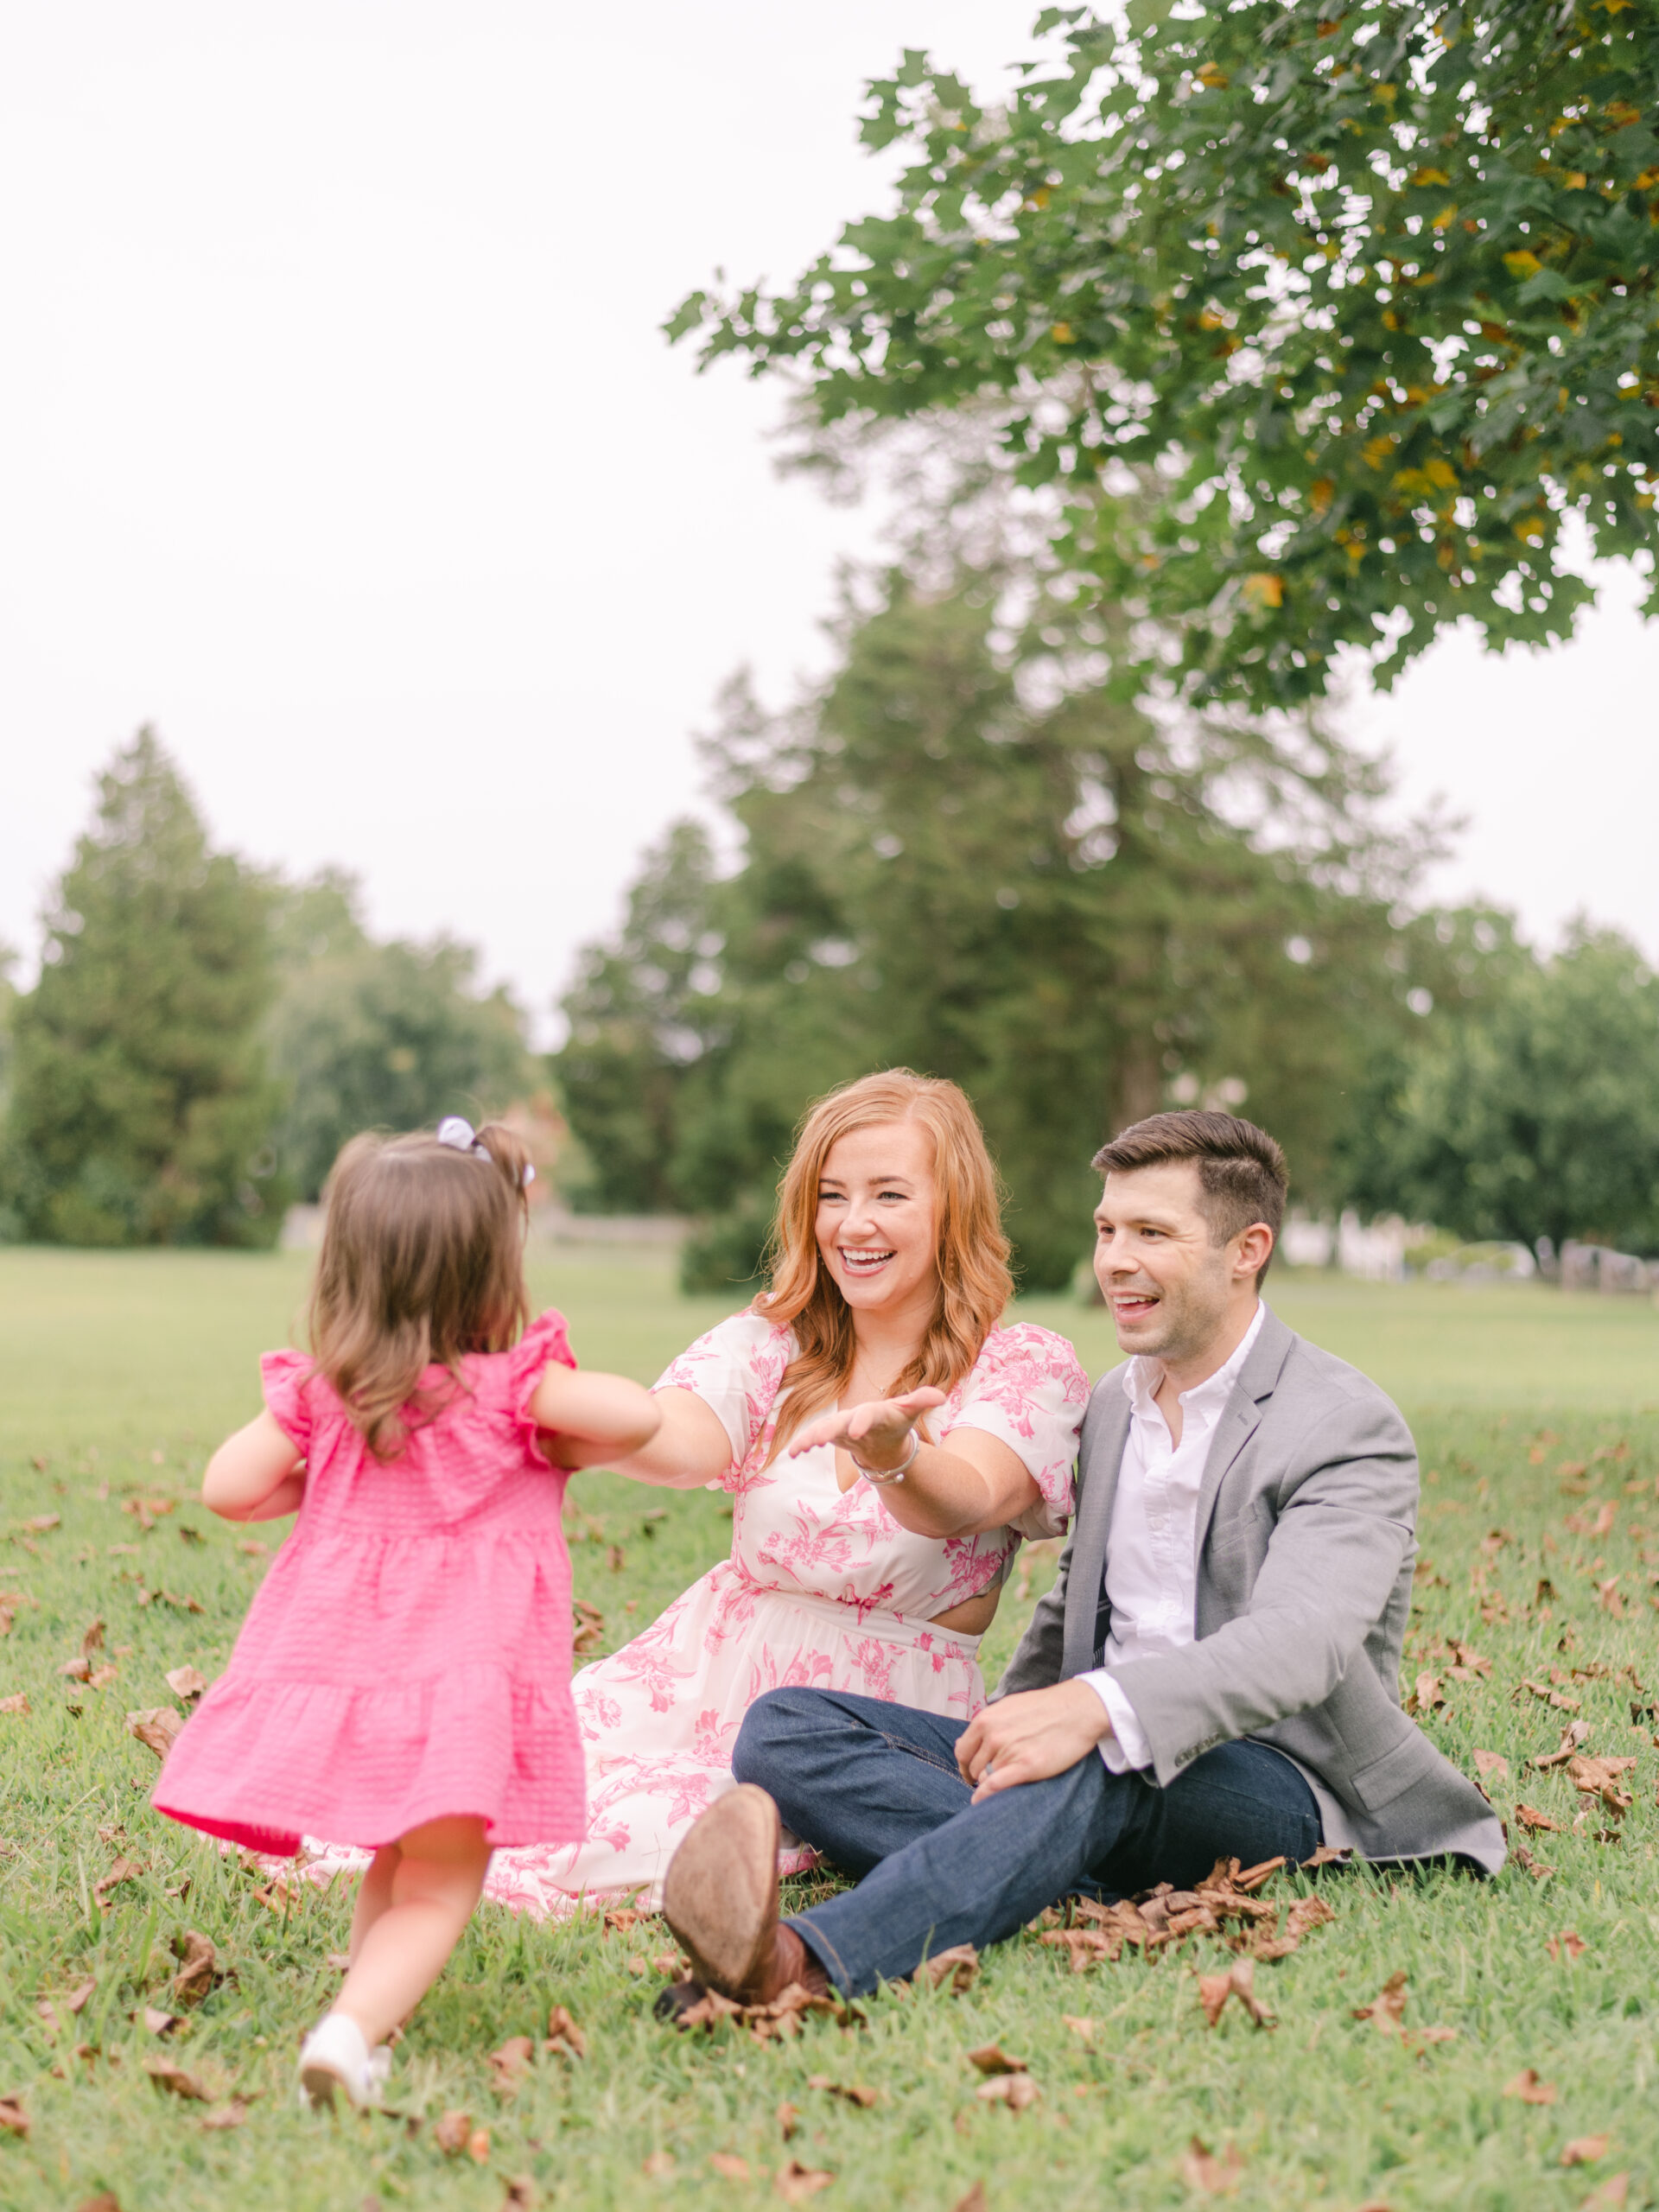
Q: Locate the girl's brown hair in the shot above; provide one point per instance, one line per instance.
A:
(975, 1284)
(421, 1260)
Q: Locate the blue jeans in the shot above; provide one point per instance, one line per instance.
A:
(876, 1789)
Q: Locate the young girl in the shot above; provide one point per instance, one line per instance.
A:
(402, 1681)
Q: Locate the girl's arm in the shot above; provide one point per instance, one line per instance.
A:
(684, 1447)
(255, 1475)
(597, 1419)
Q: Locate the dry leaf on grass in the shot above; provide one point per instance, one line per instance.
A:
(1584, 2150)
(789, 2120)
(1610, 2194)
(121, 1869)
(170, 1598)
(13, 2119)
(158, 2022)
(156, 1728)
(453, 2133)
(673, 1966)
(77, 1670)
(185, 1681)
(106, 2201)
(973, 2201)
(1017, 2091)
(168, 2074)
(728, 2166)
(563, 2034)
(796, 2183)
(590, 1630)
(1080, 2025)
(1538, 1868)
(855, 2092)
(1213, 2176)
(254, 1547)
(991, 2058)
(958, 1966)
(1492, 1763)
(511, 2063)
(1598, 1778)
(227, 2115)
(1537, 1822)
(477, 2146)
(1568, 1945)
(1530, 2090)
(1215, 1989)
(101, 1677)
(659, 2166)
(41, 1524)
(521, 2194)
(199, 1970)
(18, 1703)
(1388, 2008)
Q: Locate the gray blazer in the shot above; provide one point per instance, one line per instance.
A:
(1306, 1540)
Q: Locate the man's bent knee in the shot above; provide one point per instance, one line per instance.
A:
(775, 1719)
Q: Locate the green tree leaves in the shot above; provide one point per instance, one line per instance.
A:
(1312, 328)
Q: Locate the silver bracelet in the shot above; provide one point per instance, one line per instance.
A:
(882, 1476)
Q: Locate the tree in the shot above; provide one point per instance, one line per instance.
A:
(379, 1036)
(141, 1101)
(968, 854)
(1313, 327)
(1538, 1114)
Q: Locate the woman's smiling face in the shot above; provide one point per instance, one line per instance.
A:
(877, 1226)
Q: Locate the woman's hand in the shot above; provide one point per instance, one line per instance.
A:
(875, 1435)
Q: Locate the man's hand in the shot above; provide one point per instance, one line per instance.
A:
(1029, 1736)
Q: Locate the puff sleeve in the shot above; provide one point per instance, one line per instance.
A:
(735, 1369)
(543, 1342)
(284, 1375)
(1028, 1388)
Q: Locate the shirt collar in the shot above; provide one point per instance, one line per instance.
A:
(1143, 1375)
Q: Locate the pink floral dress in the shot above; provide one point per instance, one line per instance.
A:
(823, 1587)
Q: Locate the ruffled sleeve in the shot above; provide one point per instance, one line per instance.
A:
(284, 1375)
(1028, 1387)
(735, 1369)
(545, 1340)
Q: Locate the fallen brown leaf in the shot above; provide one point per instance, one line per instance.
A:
(156, 1728)
(1388, 2008)
(41, 1524)
(789, 2120)
(1215, 2177)
(198, 1969)
(170, 1598)
(673, 1965)
(796, 2183)
(1215, 1989)
(1609, 2195)
(158, 2022)
(728, 2167)
(227, 2115)
(855, 2092)
(511, 2063)
(521, 2194)
(168, 2074)
(1530, 2090)
(991, 2058)
(18, 1703)
(477, 2146)
(1080, 2026)
(252, 1546)
(1530, 1817)
(1017, 2091)
(972, 2201)
(1599, 1778)
(101, 1677)
(77, 1670)
(106, 2201)
(563, 2034)
(1492, 1763)
(1539, 1870)
(13, 2119)
(185, 1681)
(1584, 2150)
(453, 2131)
(1326, 1856)
(959, 1966)
(659, 2165)
(123, 1870)
(1568, 1945)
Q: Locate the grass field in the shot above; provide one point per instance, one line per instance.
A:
(1534, 1414)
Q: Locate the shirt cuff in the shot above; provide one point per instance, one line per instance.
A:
(1126, 1747)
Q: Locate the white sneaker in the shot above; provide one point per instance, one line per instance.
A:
(334, 2058)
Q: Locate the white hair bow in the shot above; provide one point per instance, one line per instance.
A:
(458, 1133)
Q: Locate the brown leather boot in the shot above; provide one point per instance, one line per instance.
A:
(720, 1899)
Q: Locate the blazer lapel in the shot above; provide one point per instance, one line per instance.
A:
(1107, 1433)
(1241, 1418)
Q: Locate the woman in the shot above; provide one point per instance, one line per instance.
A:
(886, 1444)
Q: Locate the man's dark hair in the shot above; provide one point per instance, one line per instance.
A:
(1242, 1174)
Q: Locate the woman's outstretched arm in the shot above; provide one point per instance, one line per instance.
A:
(974, 1482)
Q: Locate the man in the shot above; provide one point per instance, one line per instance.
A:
(1215, 1671)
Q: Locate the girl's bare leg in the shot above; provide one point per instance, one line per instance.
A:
(373, 1895)
(409, 1921)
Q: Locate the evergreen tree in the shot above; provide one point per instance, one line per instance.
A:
(141, 1105)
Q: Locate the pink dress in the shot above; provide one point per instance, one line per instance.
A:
(822, 1587)
(408, 1654)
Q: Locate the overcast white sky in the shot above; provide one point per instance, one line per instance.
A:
(337, 439)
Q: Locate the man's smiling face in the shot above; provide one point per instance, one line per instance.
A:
(1169, 1285)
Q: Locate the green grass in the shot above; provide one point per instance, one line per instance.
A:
(120, 1372)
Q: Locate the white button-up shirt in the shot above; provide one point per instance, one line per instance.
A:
(1151, 1563)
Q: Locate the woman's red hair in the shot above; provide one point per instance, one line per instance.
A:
(975, 1284)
